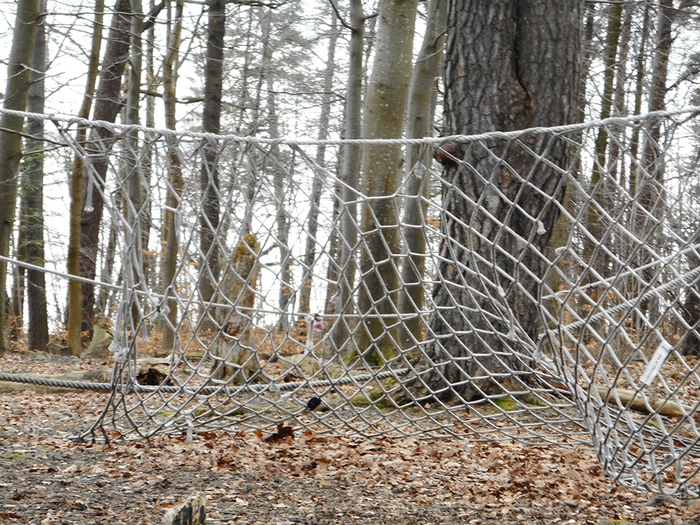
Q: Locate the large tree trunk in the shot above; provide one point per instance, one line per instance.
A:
(510, 65)
(16, 94)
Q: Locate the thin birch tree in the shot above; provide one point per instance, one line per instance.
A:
(349, 175)
(419, 123)
(385, 106)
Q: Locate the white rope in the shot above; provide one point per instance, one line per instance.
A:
(64, 275)
(691, 111)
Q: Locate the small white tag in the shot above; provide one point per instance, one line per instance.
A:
(657, 361)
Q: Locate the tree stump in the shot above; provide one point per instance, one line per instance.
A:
(234, 350)
(99, 345)
(191, 512)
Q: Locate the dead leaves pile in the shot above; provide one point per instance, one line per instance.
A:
(460, 479)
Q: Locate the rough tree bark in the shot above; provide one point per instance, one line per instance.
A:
(510, 65)
(234, 351)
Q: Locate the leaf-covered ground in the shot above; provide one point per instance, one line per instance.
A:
(47, 478)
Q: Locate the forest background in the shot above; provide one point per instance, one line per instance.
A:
(285, 69)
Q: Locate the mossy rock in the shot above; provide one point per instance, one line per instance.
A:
(376, 355)
(510, 403)
(507, 404)
(376, 397)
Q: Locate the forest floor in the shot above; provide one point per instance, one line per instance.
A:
(47, 478)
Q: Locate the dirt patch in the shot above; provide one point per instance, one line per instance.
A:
(47, 478)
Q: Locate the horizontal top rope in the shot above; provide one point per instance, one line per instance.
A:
(433, 141)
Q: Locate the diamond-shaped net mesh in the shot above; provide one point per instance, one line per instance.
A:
(542, 286)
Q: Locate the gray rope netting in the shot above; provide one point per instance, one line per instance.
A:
(531, 286)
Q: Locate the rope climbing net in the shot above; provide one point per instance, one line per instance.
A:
(540, 285)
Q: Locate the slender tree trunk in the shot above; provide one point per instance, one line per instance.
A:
(638, 93)
(133, 164)
(209, 178)
(510, 65)
(419, 118)
(249, 180)
(106, 275)
(344, 304)
(16, 321)
(616, 165)
(650, 170)
(16, 94)
(601, 203)
(146, 216)
(108, 104)
(282, 215)
(38, 323)
(385, 107)
(594, 224)
(286, 291)
(317, 186)
(691, 307)
(586, 49)
(170, 234)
